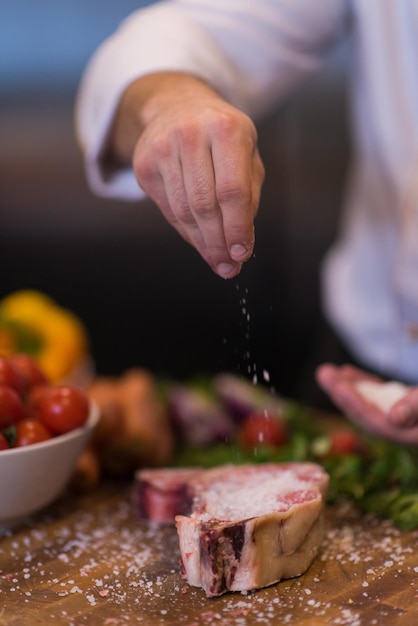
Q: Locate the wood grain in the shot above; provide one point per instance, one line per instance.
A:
(88, 560)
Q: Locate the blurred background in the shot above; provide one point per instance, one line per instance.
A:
(145, 297)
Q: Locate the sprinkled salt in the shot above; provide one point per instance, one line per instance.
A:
(63, 557)
(91, 599)
(264, 490)
(114, 571)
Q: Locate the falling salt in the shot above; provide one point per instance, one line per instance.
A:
(251, 369)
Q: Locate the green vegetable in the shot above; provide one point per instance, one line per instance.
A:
(383, 480)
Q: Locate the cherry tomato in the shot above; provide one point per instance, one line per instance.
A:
(262, 429)
(32, 399)
(345, 442)
(4, 444)
(11, 407)
(10, 375)
(30, 431)
(29, 369)
(62, 408)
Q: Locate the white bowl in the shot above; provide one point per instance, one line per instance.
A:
(33, 476)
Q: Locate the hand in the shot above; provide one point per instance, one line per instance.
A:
(196, 156)
(384, 409)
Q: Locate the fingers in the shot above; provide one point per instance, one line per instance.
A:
(239, 175)
(349, 388)
(340, 385)
(206, 178)
(203, 205)
(220, 173)
(327, 374)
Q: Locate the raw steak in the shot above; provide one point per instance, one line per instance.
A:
(161, 494)
(252, 525)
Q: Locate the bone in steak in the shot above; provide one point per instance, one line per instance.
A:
(239, 527)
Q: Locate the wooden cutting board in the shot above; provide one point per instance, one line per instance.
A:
(87, 560)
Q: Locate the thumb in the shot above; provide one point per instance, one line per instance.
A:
(404, 413)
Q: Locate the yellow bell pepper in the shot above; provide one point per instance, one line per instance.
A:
(32, 322)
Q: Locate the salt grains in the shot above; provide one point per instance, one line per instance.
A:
(265, 491)
(82, 548)
(117, 572)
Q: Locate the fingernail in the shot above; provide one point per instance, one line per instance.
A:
(238, 251)
(225, 269)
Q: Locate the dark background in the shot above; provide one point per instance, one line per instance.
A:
(146, 298)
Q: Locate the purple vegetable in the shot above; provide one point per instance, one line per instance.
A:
(241, 397)
(198, 418)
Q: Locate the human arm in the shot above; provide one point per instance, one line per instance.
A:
(384, 409)
(251, 54)
(196, 156)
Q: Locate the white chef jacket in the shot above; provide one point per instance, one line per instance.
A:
(254, 52)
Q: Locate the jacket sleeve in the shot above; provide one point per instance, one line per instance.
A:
(252, 51)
